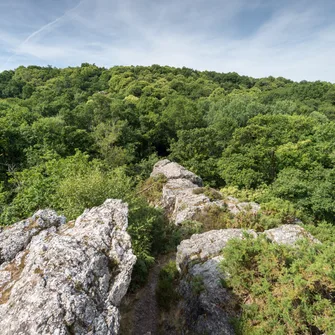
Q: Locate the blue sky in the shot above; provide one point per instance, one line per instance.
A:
(293, 39)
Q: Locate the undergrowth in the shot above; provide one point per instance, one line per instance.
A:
(166, 292)
(282, 290)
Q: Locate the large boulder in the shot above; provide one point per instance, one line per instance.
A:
(172, 170)
(208, 306)
(289, 234)
(68, 278)
(201, 247)
(184, 198)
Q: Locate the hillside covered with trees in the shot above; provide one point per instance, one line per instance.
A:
(71, 138)
(76, 127)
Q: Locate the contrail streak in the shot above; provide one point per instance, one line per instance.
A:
(40, 30)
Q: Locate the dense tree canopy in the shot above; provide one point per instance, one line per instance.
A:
(234, 131)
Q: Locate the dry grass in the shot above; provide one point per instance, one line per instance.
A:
(15, 271)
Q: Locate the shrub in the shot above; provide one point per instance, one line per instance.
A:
(211, 193)
(282, 289)
(152, 188)
(214, 217)
(145, 225)
(166, 289)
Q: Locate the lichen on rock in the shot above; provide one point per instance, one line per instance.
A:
(68, 278)
(184, 198)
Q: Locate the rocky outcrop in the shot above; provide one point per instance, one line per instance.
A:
(207, 305)
(201, 247)
(172, 170)
(14, 239)
(184, 198)
(65, 278)
(289, 235)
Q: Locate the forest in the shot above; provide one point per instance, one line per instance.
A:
(72, 137)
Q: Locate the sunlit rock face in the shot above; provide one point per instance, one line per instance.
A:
(184, 198)
(65, 278)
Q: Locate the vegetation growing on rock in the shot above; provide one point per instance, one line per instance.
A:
(71, 138)
(282, 289)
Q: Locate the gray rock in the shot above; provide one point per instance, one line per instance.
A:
(172, 170)
(289, 234)
(180, 198)
(69, 279)
(208, 306)
(201, 247)
(15, 238)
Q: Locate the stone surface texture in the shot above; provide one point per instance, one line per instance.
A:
(289, 234)
(65, 278)
(182, 196)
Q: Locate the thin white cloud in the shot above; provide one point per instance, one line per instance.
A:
(49, 25)
(295, 41)
(39, 31)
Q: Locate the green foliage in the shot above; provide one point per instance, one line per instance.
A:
(282, 289)
(152, 188)
(166, 292)
(214, 217)
(197, 284)
(68, 185)
(198, 150)
(185, 230)
(311, 192)
(211, 193)
(217, 217)
(91, 188)
(324, 232)
(72, 137)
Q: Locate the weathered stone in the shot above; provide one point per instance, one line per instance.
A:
(71, 279)
(172, 170)
(15, 238)
(183, 199)
(201, 247)
(289, 234)
(207, 305)
(171, 190)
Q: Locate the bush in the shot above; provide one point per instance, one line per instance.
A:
(166, 289)
(211, 193)
(214, 217)
(152, 188)
(67, 185)
(145, 223)
(282, 289)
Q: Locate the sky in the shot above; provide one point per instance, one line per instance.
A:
(293, 39)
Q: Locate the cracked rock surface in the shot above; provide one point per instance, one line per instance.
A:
(65, 278)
